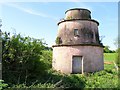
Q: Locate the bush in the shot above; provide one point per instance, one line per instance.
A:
(24, 59)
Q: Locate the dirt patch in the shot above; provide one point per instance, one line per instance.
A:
(107, 62)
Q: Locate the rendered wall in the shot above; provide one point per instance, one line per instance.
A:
(78, 14)
(93, 58)
(86, 30)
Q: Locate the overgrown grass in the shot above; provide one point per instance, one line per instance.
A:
(107, 78)
(104, 79)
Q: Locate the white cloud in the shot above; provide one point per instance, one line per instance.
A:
(30, 11)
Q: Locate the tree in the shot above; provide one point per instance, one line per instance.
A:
(106, 49)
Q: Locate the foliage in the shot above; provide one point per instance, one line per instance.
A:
(47, 58)
(23, 59)
(2, 84)
(40, 85)
(102, 79)
(107, 50)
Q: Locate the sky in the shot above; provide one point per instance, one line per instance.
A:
(39, 19)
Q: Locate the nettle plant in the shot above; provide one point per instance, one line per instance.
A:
(2, 84)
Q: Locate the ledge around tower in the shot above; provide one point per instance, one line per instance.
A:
(77, 9)
(78, 19)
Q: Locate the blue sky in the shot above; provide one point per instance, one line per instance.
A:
(39, 19)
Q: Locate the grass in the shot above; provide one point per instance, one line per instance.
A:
(110, 56)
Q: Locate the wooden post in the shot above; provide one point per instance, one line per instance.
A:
(82, 66)
(115, 66)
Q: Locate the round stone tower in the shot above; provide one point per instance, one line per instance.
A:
(78, 48)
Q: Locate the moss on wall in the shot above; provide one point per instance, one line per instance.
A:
(69, 18)
(58, 40)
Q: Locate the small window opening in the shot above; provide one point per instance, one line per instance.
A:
(76, 32)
